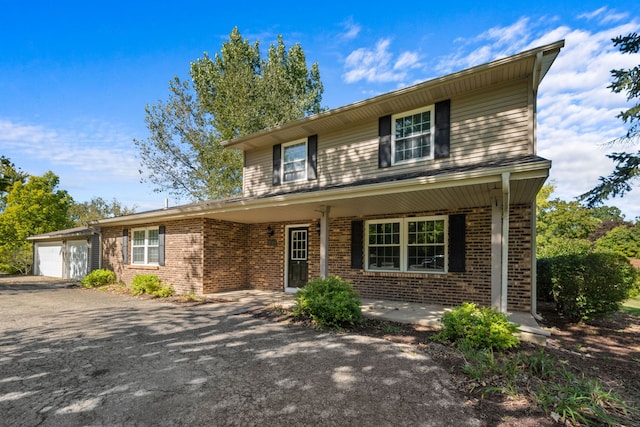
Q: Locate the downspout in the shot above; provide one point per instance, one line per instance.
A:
(504, 276)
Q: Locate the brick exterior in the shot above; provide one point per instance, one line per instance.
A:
(207, 256)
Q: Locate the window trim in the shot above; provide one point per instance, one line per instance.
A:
(146, 245)
(304, 142)
(404, 243)
(432, 130)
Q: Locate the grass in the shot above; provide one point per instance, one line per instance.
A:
(632, 306)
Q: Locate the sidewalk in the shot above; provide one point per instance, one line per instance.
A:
(395, 311)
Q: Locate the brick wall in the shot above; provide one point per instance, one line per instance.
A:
(452, 288)
(208, 256)
(225, 256)
(183, 255)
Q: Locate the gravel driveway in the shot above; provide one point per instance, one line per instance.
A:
(71, 357)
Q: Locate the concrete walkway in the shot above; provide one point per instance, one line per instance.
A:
(395, 311)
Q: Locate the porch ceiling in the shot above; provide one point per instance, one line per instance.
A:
(359, 204)
(457, 189)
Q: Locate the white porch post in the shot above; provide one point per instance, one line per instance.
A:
(506, 195)
(500, 244)
(324, 242)
(496, 250)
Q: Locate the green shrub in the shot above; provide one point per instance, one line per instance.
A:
(329, 302)
(150, 284)
(98, 278)
(544, 286)
(587, 287)
(478, 327)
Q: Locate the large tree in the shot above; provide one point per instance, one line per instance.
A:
(233, 93)
(627, 164)
(34, 207)
(9, 175)
(97, 208)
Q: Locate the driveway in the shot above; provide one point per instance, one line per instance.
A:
(71, 357)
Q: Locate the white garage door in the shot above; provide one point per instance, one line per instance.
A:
(48, 259)
(77, 259)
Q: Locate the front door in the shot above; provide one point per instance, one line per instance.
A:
(297, 265)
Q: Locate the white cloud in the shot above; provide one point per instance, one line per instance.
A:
(377, 65)
(91, 158)
(576, 109)
(351, 29)
(605, 16)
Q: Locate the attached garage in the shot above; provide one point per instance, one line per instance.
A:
(67, 254)
(48, 259)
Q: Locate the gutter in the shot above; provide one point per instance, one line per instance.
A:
(537, 169)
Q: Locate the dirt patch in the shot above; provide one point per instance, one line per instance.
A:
(607, 350)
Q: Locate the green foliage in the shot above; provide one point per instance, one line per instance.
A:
(97, 208)
(580, 400)
(9, 175)
(478, 327)
(564, 227)
(234, 93)
(183, 153)
(587, 286)
(34, 207)
(623, 240)
(98, 278)
(329, 302)
(627, 164)
(150, 284)
(553, 387)
(16, 258)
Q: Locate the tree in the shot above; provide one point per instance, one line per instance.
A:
(627, 164)
(97, 208)
(9, 175)
(34, 207)
(232, 94)
(624, 240)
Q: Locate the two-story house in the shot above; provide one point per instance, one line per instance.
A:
(425, 194)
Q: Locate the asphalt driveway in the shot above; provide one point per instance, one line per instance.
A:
(71, 357)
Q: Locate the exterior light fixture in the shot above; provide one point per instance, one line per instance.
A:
(269, 231)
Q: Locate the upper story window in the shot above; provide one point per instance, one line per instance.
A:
(294, 161)
(413, 135)
(145, 246)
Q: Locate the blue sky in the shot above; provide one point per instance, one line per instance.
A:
(75, 76)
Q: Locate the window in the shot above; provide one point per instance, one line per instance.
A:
(294, 161)
(407, 244)
(145, 246)
(413, 135)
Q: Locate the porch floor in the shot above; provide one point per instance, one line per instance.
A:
(395, 311)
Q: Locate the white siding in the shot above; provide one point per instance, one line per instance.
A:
(486, 125)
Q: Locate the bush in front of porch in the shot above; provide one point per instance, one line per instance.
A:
(329, 302)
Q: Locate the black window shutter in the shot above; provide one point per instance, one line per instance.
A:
(161, 232)
(357, 234)
(312, 157)
(277, 156)
(443, 129)
(384, 142)
(457, 243)
(125, 246)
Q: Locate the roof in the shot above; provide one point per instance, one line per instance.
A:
(458, 187)
(79, 232)
(533, 63)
